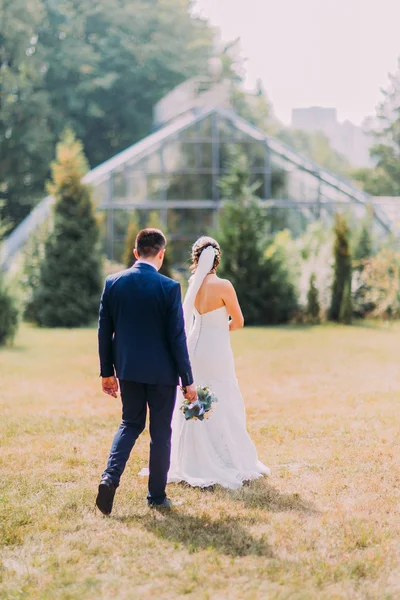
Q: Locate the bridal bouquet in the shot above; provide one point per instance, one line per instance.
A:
(202, 408)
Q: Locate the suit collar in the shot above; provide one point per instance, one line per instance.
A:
(144, 266)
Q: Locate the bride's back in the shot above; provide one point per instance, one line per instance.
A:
(210, 295)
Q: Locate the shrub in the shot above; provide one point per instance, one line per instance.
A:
(380, 280)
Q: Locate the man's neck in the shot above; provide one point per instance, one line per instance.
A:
(146, 261)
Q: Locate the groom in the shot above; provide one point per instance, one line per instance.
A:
(142, 344)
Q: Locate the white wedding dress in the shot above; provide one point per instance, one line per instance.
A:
(217, 450)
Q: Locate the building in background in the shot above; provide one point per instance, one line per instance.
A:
(177, 170)
(346, 138)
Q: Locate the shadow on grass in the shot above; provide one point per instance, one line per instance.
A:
(225, 535)
(261, 495)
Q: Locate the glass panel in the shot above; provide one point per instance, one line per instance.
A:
(100, 192)
(201, 130)
(205, 128)
(138, 187)
(155, 187)
(172, 156)
(179, 156)
(150, 164)
(143, 217)
(187, 186)
(189, 152)
(255, 153)
(154, 162)
(119, 186)
(225, 151)
(191, 132)
(226, 130)
(121, 220)
(189, 221)
(206, 153)
(279, 182)
(140, 165)
(303, 186)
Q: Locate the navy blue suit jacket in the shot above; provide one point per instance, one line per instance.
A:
(141, 328)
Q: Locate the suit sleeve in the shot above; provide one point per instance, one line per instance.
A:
(177, 336)
(105, 335)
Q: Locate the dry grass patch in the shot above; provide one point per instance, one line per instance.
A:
(322, 409)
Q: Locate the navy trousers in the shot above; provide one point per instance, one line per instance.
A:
(136, 397)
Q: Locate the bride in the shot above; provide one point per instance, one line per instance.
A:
(218, 450)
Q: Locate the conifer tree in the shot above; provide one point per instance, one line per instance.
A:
(342, 266)
(346, 306)
(313, 305)
(261, 279)
(70, 274)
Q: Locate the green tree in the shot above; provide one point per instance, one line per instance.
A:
(342, 267)
(130, 241)
(384, 178)
(346, 305)
(260, 278)
(364, 247)
(362, 252)
(107, 65)
(26, 142)
(97, 67)
(364, 241)
(313, 306)
(70, 274)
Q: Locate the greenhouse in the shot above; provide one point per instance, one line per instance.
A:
(177, 169)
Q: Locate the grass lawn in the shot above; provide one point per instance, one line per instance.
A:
(323, 410)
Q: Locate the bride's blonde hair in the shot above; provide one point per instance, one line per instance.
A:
(199, 246)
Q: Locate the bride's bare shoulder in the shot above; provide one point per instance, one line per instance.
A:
(225, 284)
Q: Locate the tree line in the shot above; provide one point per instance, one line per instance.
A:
(96, 67)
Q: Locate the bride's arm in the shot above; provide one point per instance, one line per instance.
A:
(233, 307)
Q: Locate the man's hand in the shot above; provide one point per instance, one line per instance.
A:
(110, 386)
(190, 393)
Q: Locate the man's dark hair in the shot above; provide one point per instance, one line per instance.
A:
(149, 242)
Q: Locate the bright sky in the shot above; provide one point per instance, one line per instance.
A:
(333, 53)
